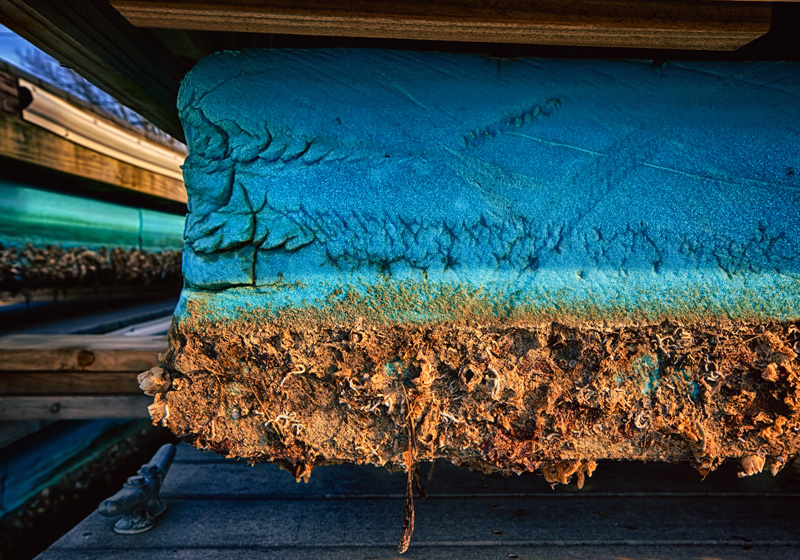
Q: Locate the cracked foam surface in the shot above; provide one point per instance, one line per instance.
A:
(543, 186)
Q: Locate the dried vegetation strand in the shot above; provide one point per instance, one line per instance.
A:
(548, 398)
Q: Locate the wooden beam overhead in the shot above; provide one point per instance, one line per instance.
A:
(29, 143)
(94, 40)
(661, 24)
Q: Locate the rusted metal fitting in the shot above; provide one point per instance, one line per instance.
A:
(138, 502)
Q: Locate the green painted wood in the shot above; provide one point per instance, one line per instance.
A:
(41, 217)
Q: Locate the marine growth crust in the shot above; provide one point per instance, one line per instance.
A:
(510, 264)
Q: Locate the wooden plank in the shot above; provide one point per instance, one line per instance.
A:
(93, 39)
(195, 480)
(99, 353)
(68, 383)
(477, 551)
(18, 75)
(598, 23)
(185, 453)
(9, 94)
(355, 512)
(31, 144)
(74, 407)
(462, 521)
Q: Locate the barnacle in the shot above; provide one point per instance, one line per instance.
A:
(32, 267)
(488, 396)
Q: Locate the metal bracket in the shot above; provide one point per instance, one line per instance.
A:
(138, 501)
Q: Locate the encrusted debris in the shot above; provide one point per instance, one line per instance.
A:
(31, 267)
(549, 398)
(154, 381)
(751, 464)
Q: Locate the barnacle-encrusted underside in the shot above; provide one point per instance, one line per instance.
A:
(544, 397)
(33, 267)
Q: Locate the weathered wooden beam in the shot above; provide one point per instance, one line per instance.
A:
(94, 40)
(597, 23)
(9, 94)
(95, 353)
(73, 407)
(69, 383)
(29, 143)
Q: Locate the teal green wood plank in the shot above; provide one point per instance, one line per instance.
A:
(31, 215)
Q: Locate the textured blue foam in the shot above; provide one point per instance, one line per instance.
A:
(552, 185)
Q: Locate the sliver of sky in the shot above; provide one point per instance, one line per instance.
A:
(11, 44)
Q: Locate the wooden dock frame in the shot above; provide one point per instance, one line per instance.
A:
(68, 377)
